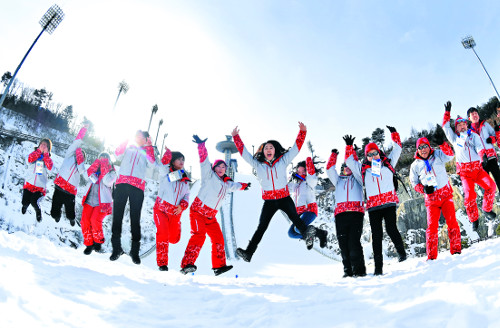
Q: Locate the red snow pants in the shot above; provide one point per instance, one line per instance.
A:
(434, 209)
(168, 231)
(91, 224)
(469, 180)
(200, 227)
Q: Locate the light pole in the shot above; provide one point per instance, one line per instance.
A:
(153, 111)
(469, 43)
(163, 143)
(157, 133)
(52, 18)
(122, 87)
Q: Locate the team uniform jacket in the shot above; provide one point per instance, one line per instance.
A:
(68, 177)
(468, 157)
(437, 160)
(272, 176)
(303, 191)
(134, 163)
(171, 194)
(37, 182)
(106, 178)
(348, 188)
(380, 191)
(213, 188)
(485, 131)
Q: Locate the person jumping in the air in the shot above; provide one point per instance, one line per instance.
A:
(98, 202)
(470, 153)
(349, 214)
(68, 179)
(35, 184)
(428, 176)
(215, 184)
(172, 200)
(135, 160)
(302, 187)
(377, 172)
(271, 162)
(489, 137)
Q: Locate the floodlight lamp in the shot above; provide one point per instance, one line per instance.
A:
(468, 42)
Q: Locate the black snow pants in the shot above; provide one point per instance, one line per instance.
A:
(123, 193)
(349, 227)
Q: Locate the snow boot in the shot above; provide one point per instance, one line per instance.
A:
(322, 236)
(163, 268)
(134, 252)
(88, 250)
(117, 249)
(39, 216)
(244, 254)
(223, 269)
(97, 247)
(378, 271)
(188, 269)
(490, 215)
(347, 273)
(475, 225)
(24, 209)
(72, 222)
(309, 236)
(402, 256)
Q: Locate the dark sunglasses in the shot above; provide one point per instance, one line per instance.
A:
(373, 153)
(422, 146)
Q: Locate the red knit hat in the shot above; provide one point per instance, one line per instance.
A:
(371, 146)
(218, 162)
(423, 140)
(460, 119)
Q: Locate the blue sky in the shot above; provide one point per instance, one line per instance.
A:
(338, 66)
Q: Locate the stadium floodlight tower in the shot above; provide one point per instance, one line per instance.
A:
(227, 147)
(52, 18)
(469, 43)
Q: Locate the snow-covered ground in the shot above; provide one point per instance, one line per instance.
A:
(44, 285)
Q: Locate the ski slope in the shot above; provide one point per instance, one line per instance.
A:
(45, 285)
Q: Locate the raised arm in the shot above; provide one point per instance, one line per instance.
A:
(206, 167)
(247, 157)
(331, 171)
(299, 142)
(108, 175)
(396, 146)
(75, 145)
(445, 152)
(312, 177)
(350, 154)
(450, 134)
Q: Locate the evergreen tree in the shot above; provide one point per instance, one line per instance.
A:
(378, 137)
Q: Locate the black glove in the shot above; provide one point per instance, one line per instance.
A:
(335, 151)
(356, 148)
(497, 127)
(349, 140)
(439, 136)
(488, 140)
(447, 106)
(248, 186)
(391, 129)
(429, 189)
(197, 139)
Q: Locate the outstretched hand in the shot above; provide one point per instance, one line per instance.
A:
(197, 139)
(439, 136)
(302, 126)
(236, 131)
(391, 129)
(447, 106)
(335, 151)
(349, 140)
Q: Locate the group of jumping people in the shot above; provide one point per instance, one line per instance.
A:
(369, 185)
